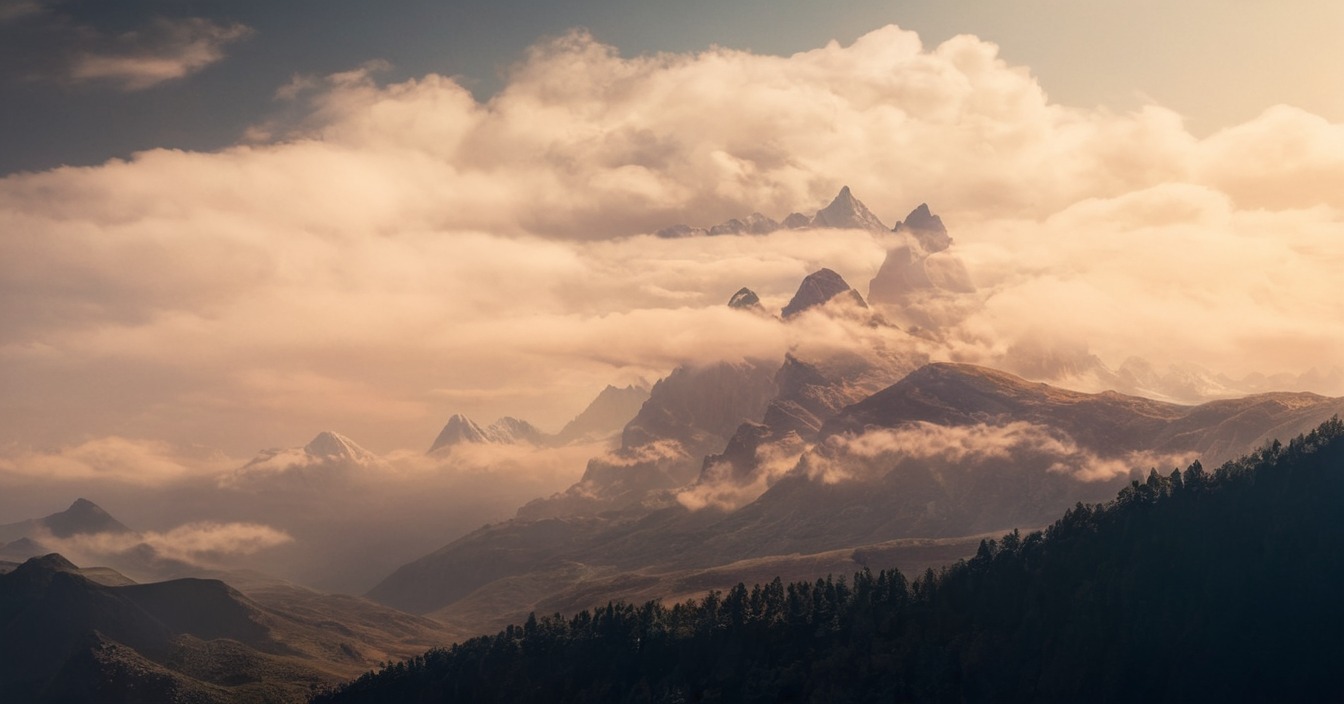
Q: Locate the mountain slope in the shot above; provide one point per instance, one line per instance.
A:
(65, 637)
(1108, 422)
(847, 212)
(948, 451)
(1188, 587)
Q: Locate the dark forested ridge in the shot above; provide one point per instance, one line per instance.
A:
(1222, 585)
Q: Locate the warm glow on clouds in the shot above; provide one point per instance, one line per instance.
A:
(401, 252)
(163, 51)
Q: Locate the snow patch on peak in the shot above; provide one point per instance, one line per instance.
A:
(327, 452)
(847, 212)
(328, 445)
(505, 431)
(745, 298)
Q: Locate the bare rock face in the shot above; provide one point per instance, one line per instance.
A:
(746, 299)
(796, 221)
(847, 212)
(818, 288)
(758, 224)
(754, 224)
(689, 414)
(927, 228)
(920, 268)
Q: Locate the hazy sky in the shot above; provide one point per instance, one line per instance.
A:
(85, 80)
(288, 217)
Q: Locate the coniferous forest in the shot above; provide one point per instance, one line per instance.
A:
(1220, 585)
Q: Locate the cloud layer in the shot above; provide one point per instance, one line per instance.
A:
(381, 256)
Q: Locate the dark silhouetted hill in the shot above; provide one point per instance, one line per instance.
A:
(1192, 586)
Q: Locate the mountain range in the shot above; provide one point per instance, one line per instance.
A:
(832, 458)
(837, 456)
(1188, 586)
(603, 418)
(947, 453)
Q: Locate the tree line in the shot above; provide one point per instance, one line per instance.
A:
(1190, 586)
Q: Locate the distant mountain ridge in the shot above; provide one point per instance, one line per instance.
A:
(843, 212)
(1049, 439)
(1187, 586)
(83, 517)
(602, 418)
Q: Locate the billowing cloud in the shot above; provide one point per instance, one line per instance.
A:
(401, 252)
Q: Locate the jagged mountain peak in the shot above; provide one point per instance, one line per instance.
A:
(83, 517)
(819, 287)
(746, 299)
(848, 212)
(335, 445)
(506, 431)
(927, 228)
(509, 429)
(459, 429)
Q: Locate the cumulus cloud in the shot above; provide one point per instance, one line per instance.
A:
(401, 252)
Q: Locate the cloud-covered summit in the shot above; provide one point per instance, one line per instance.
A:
(404, 250)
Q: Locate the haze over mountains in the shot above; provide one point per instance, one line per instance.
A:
(714, 434)
(493, 376)
(950, 450)
(855, 448)
(1195, 585)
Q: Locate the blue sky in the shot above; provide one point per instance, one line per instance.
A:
(1216, 62)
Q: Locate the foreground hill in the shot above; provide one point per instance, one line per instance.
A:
(72, 635)
(1187, 587)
